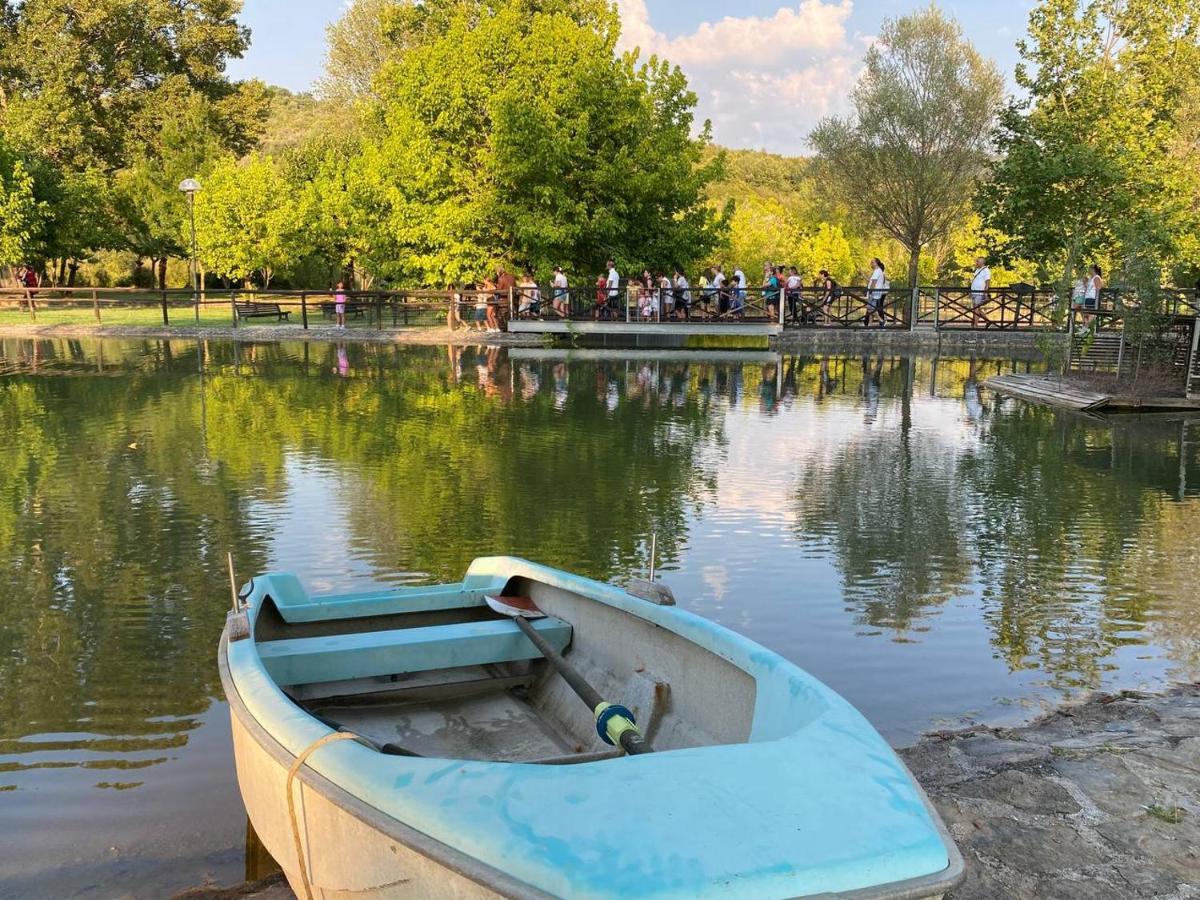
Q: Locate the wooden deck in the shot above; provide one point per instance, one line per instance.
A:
(1055, 391)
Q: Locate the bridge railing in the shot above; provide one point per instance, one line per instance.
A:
(1017, 308)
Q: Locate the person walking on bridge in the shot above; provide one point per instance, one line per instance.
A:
(613, 283)
(981, 283)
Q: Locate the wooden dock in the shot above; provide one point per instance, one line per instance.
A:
(1055, 391)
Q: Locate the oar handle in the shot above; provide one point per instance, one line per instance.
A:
(631, 740)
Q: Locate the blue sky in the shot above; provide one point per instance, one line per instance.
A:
(764, 71)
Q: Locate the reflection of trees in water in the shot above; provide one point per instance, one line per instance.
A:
(1055, 516)
(450, 459)
(1067, 508)
(112, 536)
(885, 499)
(121, 496)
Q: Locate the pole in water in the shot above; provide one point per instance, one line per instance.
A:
(653, 551)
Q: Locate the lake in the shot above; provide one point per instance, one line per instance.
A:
(938, 554)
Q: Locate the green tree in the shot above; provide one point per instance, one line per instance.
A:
(21, 213)
(245, 220)
(911, 153)
(761, 232)
(826, 247)
(1094, 159)
(512, 131)
(88, 82)
(337, 222)
(152, 211)
(358, 44)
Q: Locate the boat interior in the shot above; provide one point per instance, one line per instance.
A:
(437, 673)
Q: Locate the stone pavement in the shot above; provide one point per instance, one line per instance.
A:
(1095, 801)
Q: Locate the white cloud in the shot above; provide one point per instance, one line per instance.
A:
(764, 81)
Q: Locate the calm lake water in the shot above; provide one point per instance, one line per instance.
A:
(937, 554)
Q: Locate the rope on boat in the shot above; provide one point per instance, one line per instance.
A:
(291, 803)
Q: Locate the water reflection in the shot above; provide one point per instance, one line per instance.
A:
(933, 551)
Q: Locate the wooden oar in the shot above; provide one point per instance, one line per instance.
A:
(614, 723)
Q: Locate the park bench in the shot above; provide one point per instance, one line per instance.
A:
(353, 310)
(260, 311)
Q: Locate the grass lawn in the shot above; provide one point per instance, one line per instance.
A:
(214, 314)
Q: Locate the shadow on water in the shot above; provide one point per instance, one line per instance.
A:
(936, 553)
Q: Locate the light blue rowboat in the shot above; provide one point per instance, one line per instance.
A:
(764, 783)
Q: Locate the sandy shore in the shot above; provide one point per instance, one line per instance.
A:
(1097, 801)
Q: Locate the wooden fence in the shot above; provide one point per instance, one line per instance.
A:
(937, 308)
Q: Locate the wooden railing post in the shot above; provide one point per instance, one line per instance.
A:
(233, 306)
(304, 309)
(96, 305)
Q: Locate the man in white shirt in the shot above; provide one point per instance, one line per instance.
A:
(981, 283)
(561, 292)
(718, 284)
(683, 294)
(613, 282)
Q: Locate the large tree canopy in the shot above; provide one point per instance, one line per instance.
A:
(514, 131)
(909, 156)
(84, 82)
(1099, 160)
(109, 103)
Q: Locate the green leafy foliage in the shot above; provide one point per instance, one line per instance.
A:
(21, 213)
(513, 132)
(911, 153)
(1097, 159)
(246, 221)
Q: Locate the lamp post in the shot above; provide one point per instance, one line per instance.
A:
(189, 186)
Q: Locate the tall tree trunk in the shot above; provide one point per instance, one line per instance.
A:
(162, 273)
(914, 265)
(62, 271)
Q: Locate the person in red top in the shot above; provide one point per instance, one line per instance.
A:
(601, 295)
(506, 287)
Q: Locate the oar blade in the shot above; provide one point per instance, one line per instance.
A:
(515, 607)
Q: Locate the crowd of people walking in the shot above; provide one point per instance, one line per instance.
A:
(662, 296)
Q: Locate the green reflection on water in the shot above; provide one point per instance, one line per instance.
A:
(1017, 550)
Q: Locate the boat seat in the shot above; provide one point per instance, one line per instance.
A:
(342, 657)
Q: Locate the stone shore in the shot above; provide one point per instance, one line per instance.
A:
(1098, 801)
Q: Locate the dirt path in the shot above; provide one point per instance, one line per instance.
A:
(275, 333)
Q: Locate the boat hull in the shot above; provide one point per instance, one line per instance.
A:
(350, 849)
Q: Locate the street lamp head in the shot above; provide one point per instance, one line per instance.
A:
(189, 185)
